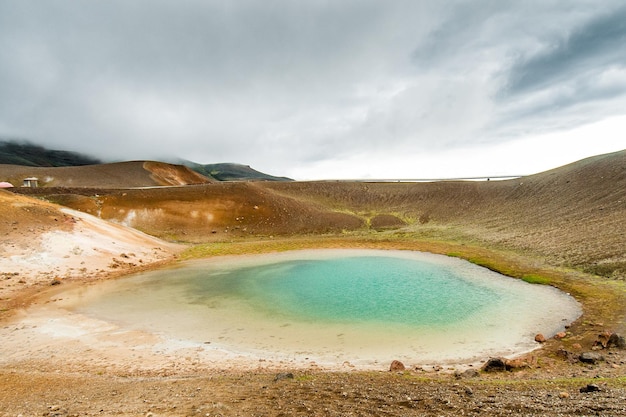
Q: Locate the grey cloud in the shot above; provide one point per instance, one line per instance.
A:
(588, 50)
(295, 82)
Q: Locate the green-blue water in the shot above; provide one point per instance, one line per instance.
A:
(360, 306)
(351, 289)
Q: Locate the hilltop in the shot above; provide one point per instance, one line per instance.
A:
(28, 154)
(231, 172)
(114, 175)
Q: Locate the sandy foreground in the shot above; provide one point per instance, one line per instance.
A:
(58, 363)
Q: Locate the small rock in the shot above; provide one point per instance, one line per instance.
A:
(539, 338)
(567, 355)
(469, 373)
(469, 391)
(590, 388)
(396, 366)
(603, 339)
(560, 335)
(495, 365)
(564, 395)
(617, 341)
(283, 375)
(515, 364)
(590, 357)
(577, 346)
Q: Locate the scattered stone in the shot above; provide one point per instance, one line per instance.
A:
(590, 357)
(539, 338)
(494, 365)
(396, 366)
(603, 340)
(590, 388)
(469, 373)
(564, 395)
(567, 355)
(56, 281)
(516, 364)
(617, 341)
(577, 346)
(560, 335)
(469, 391)
(283, 375)
(55, 411)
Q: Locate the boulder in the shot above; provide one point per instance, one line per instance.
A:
(617, 341)
(396, 366)
(590, 388)
(467, 374)
(608, 339)
(590, 357)
(495, 365)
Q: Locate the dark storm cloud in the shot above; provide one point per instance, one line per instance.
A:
(587, 51)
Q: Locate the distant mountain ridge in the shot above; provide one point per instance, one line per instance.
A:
(24, 153)
(28, 154)
(230, 172)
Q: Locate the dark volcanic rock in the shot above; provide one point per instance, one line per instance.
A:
(590, 388)
(495, 365)
(617, 341)
(590, 357)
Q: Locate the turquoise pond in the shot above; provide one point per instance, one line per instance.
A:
(333, 305)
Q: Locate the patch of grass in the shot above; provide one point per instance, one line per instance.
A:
(536, 279)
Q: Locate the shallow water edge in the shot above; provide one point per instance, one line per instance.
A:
(234, 328)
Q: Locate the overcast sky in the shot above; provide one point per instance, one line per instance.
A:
(316, 89)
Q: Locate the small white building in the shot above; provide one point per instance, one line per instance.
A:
(31, 182)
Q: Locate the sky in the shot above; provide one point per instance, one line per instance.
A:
(319, 89)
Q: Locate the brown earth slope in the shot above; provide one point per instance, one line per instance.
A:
(114, 175)
(572, 216)
(43, 244)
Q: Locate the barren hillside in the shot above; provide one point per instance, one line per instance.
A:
(575, 215)
(571, 216)
(114, 175)
(44, 243)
